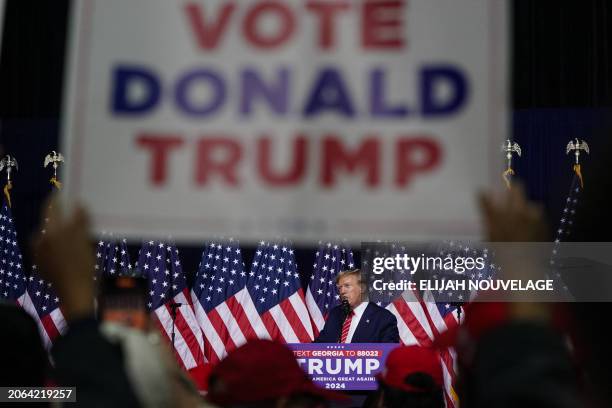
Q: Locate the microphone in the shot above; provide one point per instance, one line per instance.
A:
(346, 307)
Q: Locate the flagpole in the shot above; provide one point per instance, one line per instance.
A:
(173, 307)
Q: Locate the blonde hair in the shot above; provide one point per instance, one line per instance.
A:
(360, 280)
(350, 272)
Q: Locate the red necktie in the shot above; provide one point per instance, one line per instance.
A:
(346, 326)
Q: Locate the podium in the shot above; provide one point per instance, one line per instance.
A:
(343, 366)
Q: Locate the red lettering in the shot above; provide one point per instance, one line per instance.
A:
(160, 146)
(252, 28)
(208, 160)
(415, 155)
(326, 12)
(335, 156)
(382, 24)
(220, 158)
(298, 162)
(207, 36)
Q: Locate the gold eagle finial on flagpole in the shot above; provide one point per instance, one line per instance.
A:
(8, 162)
(508, 148)
(577, 147)
(55, 158)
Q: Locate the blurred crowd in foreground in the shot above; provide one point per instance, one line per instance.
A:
(509, 354)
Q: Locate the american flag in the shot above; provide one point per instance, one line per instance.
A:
(12, 276)
(443, 316)
(31, 292)
(274, 285)
(112, 258)
(562, 233)
(222, 303)
(569, 211)
(44, 305)
(444, 307)
(322, 294)
(159, 263)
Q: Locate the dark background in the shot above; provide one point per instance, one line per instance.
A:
(560, 87)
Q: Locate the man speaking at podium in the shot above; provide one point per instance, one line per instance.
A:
(356, 320)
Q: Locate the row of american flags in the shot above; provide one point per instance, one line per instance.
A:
(228, 303)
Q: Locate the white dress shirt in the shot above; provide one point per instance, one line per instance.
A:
(355, 321)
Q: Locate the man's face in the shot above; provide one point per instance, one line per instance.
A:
(349, 288)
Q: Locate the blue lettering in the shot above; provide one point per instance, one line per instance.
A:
(217, 87)
(379, 105)
(329, 93)
(124, 79)
(431, 80)
(276, 94)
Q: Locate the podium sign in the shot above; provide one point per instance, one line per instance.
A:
(337, 366)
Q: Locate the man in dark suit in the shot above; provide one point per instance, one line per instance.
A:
(355, 320)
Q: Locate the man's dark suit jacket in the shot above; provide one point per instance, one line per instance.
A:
(377, 325)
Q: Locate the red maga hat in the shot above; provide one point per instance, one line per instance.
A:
(406, 360)
(261, 370)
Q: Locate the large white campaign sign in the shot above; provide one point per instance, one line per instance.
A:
(305, 119)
